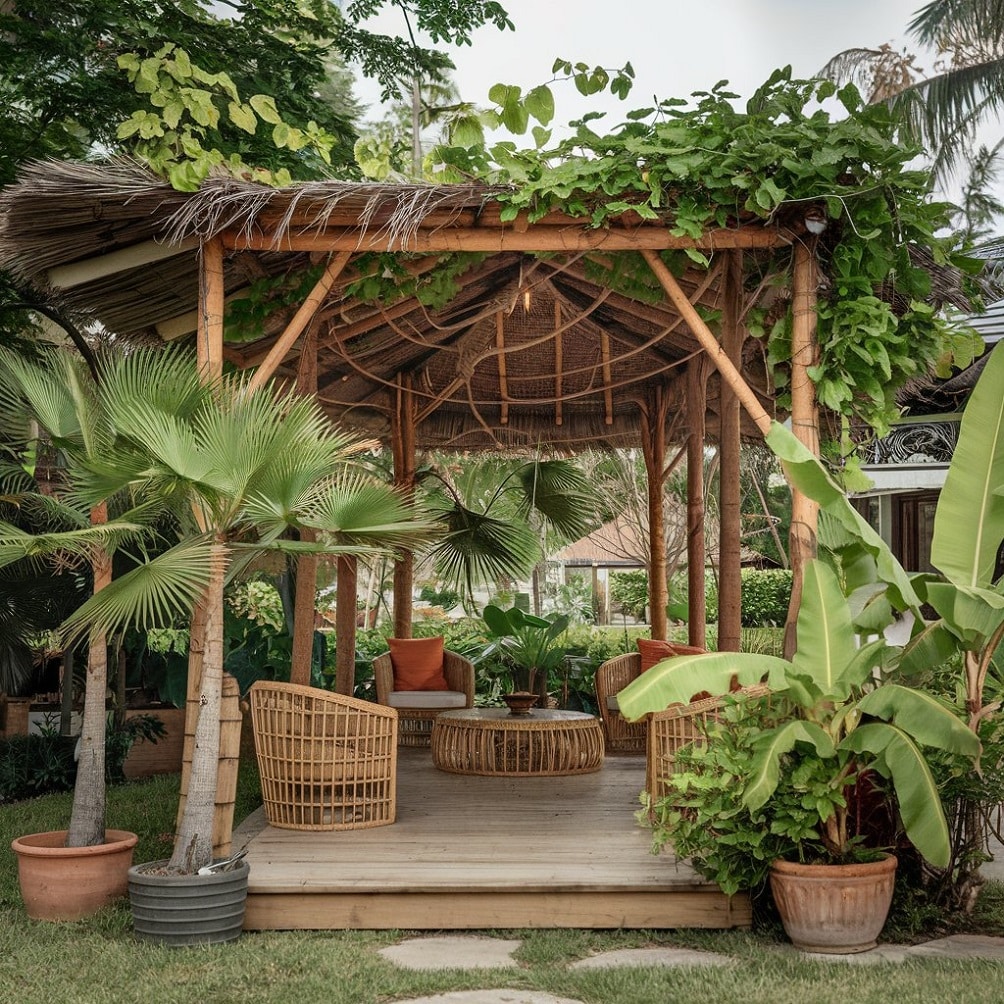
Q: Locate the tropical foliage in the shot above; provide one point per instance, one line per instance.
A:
(531, 644)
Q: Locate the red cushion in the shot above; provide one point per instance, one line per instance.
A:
(655, 651)
(418, 663)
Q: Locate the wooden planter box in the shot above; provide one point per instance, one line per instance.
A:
(14, 717)
(164, 757)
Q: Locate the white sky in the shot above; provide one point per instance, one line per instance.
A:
(675, 47)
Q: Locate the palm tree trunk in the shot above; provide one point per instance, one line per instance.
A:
(193, 846)
(87, 818)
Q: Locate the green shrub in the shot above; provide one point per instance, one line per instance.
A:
(766, 595)
(36, 764)
(630, 591)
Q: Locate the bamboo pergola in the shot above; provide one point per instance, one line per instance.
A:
(535, 349)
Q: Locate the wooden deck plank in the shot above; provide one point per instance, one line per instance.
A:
(472, 852)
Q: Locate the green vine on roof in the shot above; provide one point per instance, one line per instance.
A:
(706, 164)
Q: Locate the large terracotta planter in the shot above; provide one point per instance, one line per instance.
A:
(67, 883)
(835, 909)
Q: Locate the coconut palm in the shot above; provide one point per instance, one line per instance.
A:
(238, 471)
(943, 111)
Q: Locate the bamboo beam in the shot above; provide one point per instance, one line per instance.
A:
(102, 266)
(536, 238)
(653, 442)
(209, 336)
(730, 528)
(305, 596)
(697, 405)
(558, 364)
(715, 353)
(347, 571)
(503, 382)
(300, 320)
(804, 420)
(608, 394)
(403, 426)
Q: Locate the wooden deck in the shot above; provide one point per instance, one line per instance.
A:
(483, 852)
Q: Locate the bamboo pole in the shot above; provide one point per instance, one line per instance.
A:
(347, 570)
(209, 335)
(715, 352)
(305, 596)
(653, 433)
(309, 307)
(804, 420)
(697, 404)
(503, 382)
(608, 394)
(730, 528)
(558, 364)
(403, 444)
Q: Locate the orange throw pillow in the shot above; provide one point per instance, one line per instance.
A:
(418, 663)
(655, 651)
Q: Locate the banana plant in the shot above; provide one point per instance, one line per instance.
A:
(831, 705)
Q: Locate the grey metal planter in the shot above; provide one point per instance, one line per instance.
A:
(188, 909)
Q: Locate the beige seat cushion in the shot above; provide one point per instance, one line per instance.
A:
(427, 699)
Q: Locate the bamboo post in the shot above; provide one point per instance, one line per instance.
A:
(730, 529)
(303, 316)
(804, 420)
(403, 444)
(347, 570)
(305, 596)
(209, 336)
(653, 441)
(697, 404)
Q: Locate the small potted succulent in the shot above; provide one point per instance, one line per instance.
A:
(771, 794)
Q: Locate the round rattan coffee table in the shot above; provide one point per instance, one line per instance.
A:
(542, 744)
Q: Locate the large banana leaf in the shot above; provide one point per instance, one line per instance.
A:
(806, 473)
(969, 520)
(922, 717)
(765, 770)
(897, 757)
(826, 639)
(970, 612)
(676, 680)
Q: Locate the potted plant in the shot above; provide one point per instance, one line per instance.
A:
(234, 471)
(531, 646)
(776, 796)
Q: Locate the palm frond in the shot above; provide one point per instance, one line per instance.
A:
(16, 543)
(154, 594)
(561, 494)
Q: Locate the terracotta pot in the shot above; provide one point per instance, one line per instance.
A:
(834, 909)
(67, 883)
(520, 702)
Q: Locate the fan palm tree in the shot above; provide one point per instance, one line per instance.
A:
(496, 511)
(941, 112)
(237, 470)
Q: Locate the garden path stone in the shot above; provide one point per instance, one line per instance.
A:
(492, 997)
(669, 957)
(884, 953)
(960, 946)
(452, 953)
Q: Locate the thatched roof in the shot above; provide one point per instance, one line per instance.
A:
(534, 349)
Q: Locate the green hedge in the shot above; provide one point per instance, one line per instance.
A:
(766, 594)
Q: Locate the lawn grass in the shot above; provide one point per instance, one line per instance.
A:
(97, 960)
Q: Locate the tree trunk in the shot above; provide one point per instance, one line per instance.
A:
(697, 618)
(87, 817)
(403, 445)
(193, 845)
(345, 624)
(653, 434)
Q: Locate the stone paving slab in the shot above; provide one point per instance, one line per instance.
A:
(452, 953)
(492, 997)
(960, 946)
(667, 957)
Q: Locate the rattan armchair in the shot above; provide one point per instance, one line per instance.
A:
(417, 709)
(678, 725)
(613, 676)
(327, 761)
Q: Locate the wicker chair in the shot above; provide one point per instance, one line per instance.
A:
(327, 761)
(417, 709)
(613, 676)
(678, 725)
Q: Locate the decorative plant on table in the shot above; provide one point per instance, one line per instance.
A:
(529, 644)
(779, 781)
